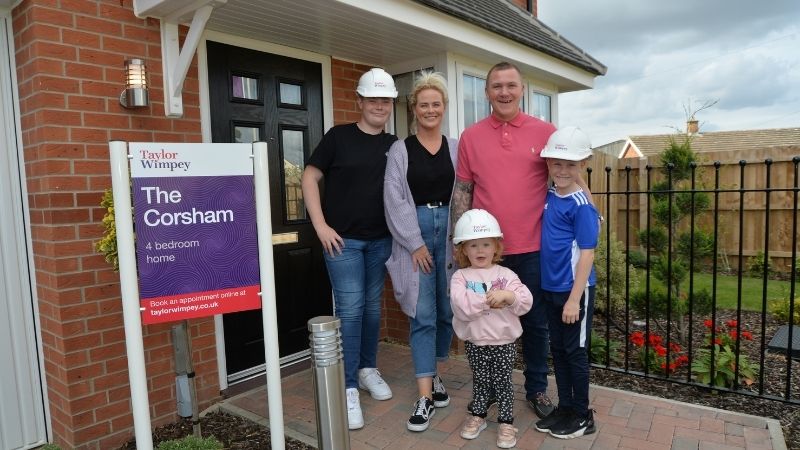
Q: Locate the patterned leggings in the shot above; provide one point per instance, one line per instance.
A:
(491, 371)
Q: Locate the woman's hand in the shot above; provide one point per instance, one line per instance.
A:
(422, 259)
(330, 239)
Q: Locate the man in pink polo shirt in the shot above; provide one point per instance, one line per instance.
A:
(499, 169)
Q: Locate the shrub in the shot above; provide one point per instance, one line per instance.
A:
(780, 309)
(108, 245)
(724, 365)
(191, 443)
(755, 265)
(597, 350)
(616, 277)
(49, 447)
(638, 259)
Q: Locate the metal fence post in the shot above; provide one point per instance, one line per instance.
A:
(326, 357)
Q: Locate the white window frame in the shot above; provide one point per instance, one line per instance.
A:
(533, 89)
(462, 69)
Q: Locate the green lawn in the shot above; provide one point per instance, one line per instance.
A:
(727, 289)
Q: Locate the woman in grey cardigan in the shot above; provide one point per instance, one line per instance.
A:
(420, 173)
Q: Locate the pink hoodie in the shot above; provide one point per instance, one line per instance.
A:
(473, 319)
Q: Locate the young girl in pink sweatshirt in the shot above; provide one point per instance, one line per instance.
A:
(487, 300)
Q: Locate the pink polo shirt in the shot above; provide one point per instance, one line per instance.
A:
(502, 160)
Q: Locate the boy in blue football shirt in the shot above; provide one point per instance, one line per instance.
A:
(570, 227)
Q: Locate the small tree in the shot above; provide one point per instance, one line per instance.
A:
(615, 277)
(671, 205)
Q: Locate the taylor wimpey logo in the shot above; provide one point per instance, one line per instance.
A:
(161, 159)
(480, 228)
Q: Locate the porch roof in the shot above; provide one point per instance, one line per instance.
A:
(394, 33)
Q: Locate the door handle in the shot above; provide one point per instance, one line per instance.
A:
(285, 238)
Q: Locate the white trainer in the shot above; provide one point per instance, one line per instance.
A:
(355, 419)
(370, 379)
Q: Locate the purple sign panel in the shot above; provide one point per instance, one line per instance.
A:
(195, 225)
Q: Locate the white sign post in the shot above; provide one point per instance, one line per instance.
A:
(204, 158)
(269, 312)
(126, 250)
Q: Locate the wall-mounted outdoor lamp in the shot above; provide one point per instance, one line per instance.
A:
(135, 94)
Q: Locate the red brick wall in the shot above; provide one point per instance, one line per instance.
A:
(69, 56)
(524, 5)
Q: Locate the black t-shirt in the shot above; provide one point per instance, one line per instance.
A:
(353, 164)
(430, 177)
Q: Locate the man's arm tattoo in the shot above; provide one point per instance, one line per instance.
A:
(461, 201)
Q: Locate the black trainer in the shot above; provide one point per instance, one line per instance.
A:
(491, 402)
(541, 404)
(440, 397)
(421, 417)
(575, 426)
(553, 420)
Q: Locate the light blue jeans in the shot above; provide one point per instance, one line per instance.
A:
(357, 278)
(431, 331)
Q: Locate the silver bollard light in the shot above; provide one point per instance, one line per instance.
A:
(326, 357)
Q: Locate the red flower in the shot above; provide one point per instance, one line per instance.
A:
(718, 341)
(747, 335)
(637, 338)
(733, 334)
(708, 323)
(674, 348)
(655, 340)
(660, 350)
(731, 323)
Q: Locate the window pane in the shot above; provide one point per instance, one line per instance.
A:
(245, 135)
(469, 100)
(476, 106)
(244, 87)
(291, 94)
(541, 106)
(293, 164)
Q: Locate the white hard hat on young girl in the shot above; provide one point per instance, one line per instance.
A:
(376, 83)
(569, 143)
(476, 224)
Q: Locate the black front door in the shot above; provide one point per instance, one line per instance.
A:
(259, 96)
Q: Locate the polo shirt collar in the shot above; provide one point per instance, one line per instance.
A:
(515, 122)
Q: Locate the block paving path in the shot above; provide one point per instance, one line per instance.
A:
(624, 420)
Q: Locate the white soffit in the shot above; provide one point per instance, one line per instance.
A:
(384, 33)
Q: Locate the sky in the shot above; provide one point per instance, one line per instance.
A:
(667, 57)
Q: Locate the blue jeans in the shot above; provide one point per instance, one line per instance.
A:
(534, 323)
(357, 277)
(431, 331)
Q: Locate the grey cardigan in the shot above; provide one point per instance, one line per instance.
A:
(401, 216)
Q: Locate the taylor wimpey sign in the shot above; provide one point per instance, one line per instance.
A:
(195, 224)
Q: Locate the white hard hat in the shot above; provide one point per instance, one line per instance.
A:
(376, 83)
(476, 224)
(569, 143)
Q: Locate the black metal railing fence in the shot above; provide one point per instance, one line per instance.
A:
(665, 328)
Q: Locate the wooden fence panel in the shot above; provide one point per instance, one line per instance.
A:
(609, 190)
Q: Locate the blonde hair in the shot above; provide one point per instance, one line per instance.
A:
(426, 80)
(463, 261)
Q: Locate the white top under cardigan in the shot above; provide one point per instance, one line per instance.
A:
(401, 216)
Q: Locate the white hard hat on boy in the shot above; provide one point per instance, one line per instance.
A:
(569, 143)
(476, 224)
(376, 83)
